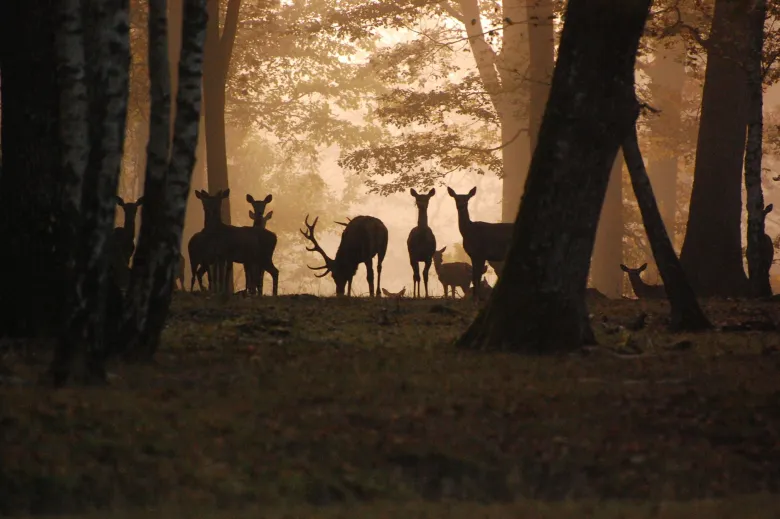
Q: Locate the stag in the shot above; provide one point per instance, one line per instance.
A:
(123, 241)
(454, 274)
(363, 238)
(267, 239)
(641, 289)
(482, 241)
(421, 242)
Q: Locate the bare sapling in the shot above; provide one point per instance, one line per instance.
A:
(122, 244)
(267, 241)
(482, 241)
(642, 289)
(363, 238)
(421, 242)
(454, 274)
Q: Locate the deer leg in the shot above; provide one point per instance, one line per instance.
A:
(415, 278)
(370, 278)
(477, 266)
(425, 276)
(378, 276)
(271, 269)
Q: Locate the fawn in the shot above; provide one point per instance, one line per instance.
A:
(455, 274)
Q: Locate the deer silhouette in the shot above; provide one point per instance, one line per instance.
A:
(641, 289)
(454, 274)
(267, 239)
(482, 241)
(123, 241)
(421, 242)
(363, 238)
(394, 294)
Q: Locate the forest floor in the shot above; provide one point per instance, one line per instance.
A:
(317, 407)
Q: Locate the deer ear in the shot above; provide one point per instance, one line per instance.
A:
(140, 201)
(768, 209)
(269, 215)
(623, 268)
(268, 199)
(251, 214)
(643, 267)
(199, 194)
(413, 191)
(451, 192)
(443, 249)
(432, 192)
(473, 191)
(250, 198)
(226, 193)
(119, 201)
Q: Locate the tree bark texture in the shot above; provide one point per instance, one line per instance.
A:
(605, 272)
(712, 250)
(685, 311)
(538, 305)
(758, 261)
(33, 262)
(162, 227)
(106, 45)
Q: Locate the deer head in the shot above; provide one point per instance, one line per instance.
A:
(130, 209)
(260, 222)
(438, 256)
(636, 271)
(212, 205)
(462, 201)
(394, 294)
(422, 201)
(259, 208)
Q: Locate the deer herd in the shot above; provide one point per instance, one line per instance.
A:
(217, 246)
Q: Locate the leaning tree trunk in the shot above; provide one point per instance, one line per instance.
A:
(95, 89)
(685, 311)
(712, 251)
(758, 262)
(167, 182)
(538, 305)
(32, 262)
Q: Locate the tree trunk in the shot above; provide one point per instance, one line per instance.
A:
(167, 183)
(685, 311)
(605, 272)
(541, 44)
(759, 263)
(712, 253)
(32, 290)
(538, 305)
(95, 65)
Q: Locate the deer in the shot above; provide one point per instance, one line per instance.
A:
(482, 241)
(123, 241)
(220, 244)
(394, 294)
(255, 271)
(455, 274)
(641, 289)
(363, 238)
(421, 242)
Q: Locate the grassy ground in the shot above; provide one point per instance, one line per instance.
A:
(364, 406)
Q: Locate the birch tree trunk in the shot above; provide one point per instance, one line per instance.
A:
(168, 181)
(538, 305)
(759, 262)
(95, 64)
(685, 311)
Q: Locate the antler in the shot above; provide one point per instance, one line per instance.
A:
(309, 235)
(345, 224)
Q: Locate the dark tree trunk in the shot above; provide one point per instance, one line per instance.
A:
(31, 261)
(759, 262)
(98, 82)
(167, 182)
(712, 251)
(685, 310)
(538, 305)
